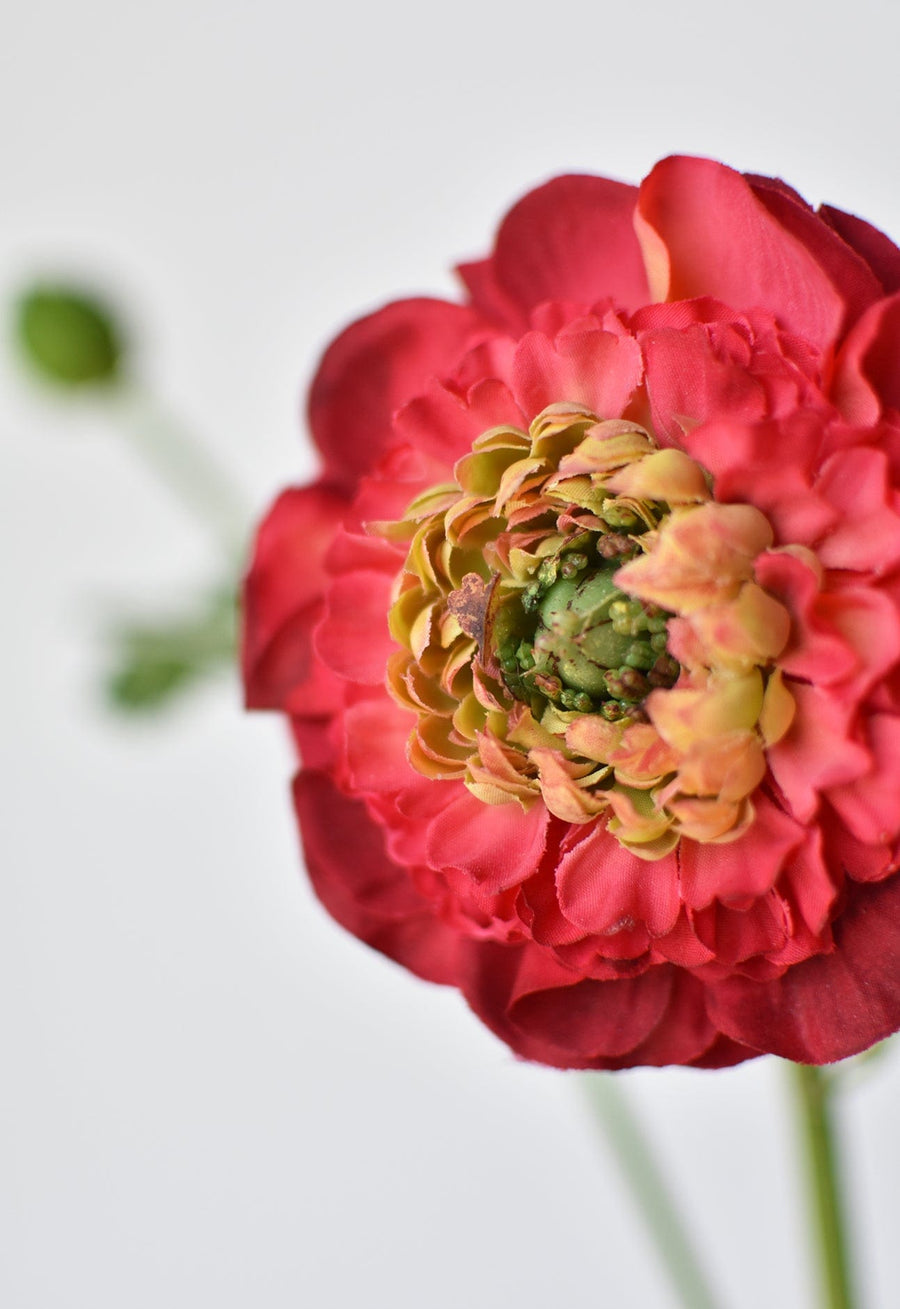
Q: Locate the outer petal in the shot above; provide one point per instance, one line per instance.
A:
(373, 367)
(846, 268)
(283, 592)
(704, 232)
(834, 1005)
(878, 250)
(557, 1018)
(363, 889)
(866, 379)
(571, 239)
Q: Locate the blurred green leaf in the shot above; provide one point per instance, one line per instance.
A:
(69, 336)
(153, 662)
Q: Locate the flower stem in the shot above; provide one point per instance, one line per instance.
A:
(627, 1141)
(185, 465)
(814, 1092)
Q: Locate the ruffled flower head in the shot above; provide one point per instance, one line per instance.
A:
(589, 632)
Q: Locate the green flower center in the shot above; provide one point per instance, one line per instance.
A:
(573, 638)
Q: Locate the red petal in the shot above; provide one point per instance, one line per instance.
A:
(857, 483)
(604, 888)
(595, 369)
(477, 276)
(871, 806)
(376, 732)
(571, 239)
(740, 934)
(748, 867)
(684, 1034)
(362, 888)
(353, 637)
(834, 1005)
(444, 424)
(812, 889)
(705, 233)
(697, 374)
(283, 590)
(558, 1019)
(851, 857)
(846, 268)
(866, 378)
(376, 365)
(816, 754)
(499, 845)
(878, 250)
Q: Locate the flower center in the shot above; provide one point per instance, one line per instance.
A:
(585, 644)
(579, 623)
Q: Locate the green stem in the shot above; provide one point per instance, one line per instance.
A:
(625, 1137)
(186, 467)
(814, 1092)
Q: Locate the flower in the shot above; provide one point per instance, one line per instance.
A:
(589, 631)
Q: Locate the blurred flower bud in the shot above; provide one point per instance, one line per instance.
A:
(69, 336)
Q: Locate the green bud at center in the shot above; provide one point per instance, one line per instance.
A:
(583, 644)
(575, 638)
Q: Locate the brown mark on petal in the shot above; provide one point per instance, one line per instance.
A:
(468, 604)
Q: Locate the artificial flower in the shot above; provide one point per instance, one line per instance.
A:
(589, 630)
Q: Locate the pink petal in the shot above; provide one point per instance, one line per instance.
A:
(376, 365)
(479, 278)
(363, 889)
(857, 483)
(353, 637)
(870, 806)
(847, 269)
(283, 592)
(770, 465)
(569, 1023)
(594, 369)
(682, 946)
(866, 379)
(813, 890)
(817, 650)
(741, 869)
(869, 625)
(604, 888)
(696, 374)
(833, 1005)
(571, 239)
(376, 733)
(737, 935)
(498, 845)
(704, 232)
(816, 754)
(444, 424)
(849, 856)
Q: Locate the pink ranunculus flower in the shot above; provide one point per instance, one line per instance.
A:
(589, 631)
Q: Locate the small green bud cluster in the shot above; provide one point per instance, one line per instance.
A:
(591, 648)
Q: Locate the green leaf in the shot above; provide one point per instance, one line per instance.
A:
(156, 661)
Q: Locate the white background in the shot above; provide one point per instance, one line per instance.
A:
(209, 1094)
